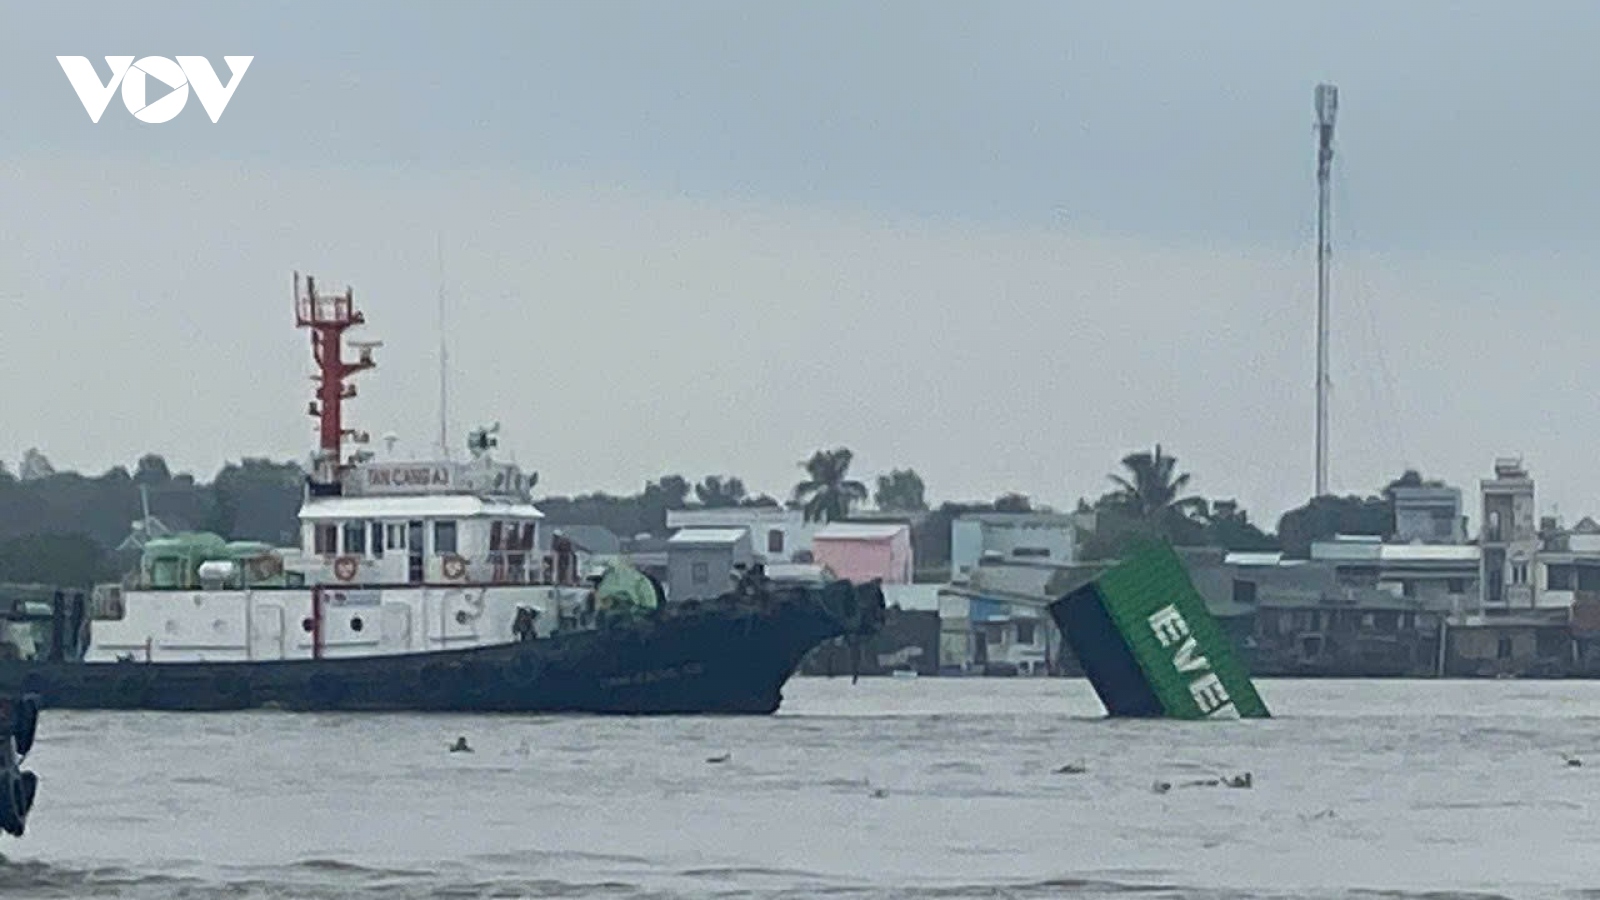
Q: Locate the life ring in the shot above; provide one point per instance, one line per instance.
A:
(454, 567)
(264, 567)
(344, 568)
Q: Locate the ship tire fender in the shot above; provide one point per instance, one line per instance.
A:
(431, 677)
(13, 799)
(233, 689)
(325, 691)
(25, 722)
(454, 567)
(472, 677)
(131, 691)
(527, 667)
(30, 790)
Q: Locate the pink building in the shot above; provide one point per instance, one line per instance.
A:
(862, 551)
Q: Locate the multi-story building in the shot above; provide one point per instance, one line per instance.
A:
(1509, 539)
(1037, 537)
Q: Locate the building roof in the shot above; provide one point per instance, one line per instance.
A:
(912, 596)
(1464, 553)
(1021, 518)
(439, 506)
(718, 536)
(797, 572)
(596, 539)
(1351, 550)
(861, 531)
(1253, 558)
(731, 516)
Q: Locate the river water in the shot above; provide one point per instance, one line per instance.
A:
(890, 788)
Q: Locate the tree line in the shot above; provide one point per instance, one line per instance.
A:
(66, 528)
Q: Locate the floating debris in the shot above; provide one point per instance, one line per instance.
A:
(719, 759)
(880, 793)
(1077, 768)
(1572, 761)
(460, 746)
(1240, 781)
(1161, 787)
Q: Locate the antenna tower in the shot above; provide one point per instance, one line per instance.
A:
(1327, 104)
(328, 318)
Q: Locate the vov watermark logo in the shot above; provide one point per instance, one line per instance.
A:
(134, 77)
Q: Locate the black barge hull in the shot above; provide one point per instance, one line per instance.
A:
(729, 656)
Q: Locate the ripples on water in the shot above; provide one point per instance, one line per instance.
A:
(940, 788)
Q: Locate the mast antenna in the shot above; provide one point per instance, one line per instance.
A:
(328, 317)
(1327, 105)
(444, 360)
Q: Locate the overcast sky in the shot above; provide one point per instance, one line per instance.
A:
(1002, 243)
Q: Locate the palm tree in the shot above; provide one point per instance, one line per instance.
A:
(827, 493)
(1152, 492)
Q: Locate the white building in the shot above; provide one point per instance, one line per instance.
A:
(1568, 567)
(1429, 514)
(1509, 539)
(777, 535)
(1036, 537)
(999, 621)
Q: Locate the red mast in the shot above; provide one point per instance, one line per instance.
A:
(329, 317)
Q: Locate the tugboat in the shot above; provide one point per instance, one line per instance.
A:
(418, 585)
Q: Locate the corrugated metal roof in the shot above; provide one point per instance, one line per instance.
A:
(707, 536)
(1252, 558)
(860, 531)
(796, 571)
(1355, 551)
(439, 506)
(1429, 553)
(912, 596)
(593, 538)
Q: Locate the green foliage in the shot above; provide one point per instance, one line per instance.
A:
(1324, 517)
(901, 490)
(1150, 502)
(61, 560)
(1013, 503)
(716, 492)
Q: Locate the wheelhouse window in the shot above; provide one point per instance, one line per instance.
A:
(325, 539)
(397, 537)
(377, 539)
(775, 541)
(355, 537)
(444, 537)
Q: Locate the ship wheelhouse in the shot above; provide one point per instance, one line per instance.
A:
(430, 523)
(461, 539)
